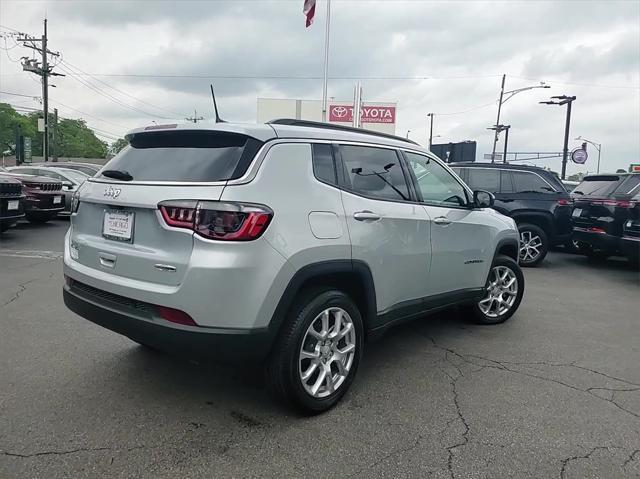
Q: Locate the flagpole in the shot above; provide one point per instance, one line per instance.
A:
(326, 63)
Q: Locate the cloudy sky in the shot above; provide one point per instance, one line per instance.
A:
(129, 63)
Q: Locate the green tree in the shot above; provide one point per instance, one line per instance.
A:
(10, 121)
(118, 145)
(76, 139)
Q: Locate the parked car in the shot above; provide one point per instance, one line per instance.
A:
(630, 242)
(288, 243)
(44, 198)
(11, 202)
(602, 207)
(535, 198)
(87, 168)
(71, 180)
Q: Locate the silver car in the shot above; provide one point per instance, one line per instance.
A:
(289, 243)
(71, 180)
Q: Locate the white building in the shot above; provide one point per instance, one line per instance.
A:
(376, 116)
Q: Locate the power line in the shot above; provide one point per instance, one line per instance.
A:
(77, 69)
(19, 94)
(107, 95)
(88, 114)
(468, 110)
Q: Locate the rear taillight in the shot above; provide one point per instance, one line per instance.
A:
(595, 229)
(564, 202)
(175, 316)
(218, 220)
(614, 203)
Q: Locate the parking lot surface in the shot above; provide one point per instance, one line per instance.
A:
(554, 392)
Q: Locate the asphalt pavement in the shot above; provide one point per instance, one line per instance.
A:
(554, 392)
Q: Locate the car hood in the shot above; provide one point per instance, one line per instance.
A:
(30, 178)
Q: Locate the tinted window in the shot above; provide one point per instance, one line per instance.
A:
(597, 185)
(374, 172)
(484, 179)
(506, 184)
(629, 185)
(323, 166)
(526, 182)
(186, 156)
(48, 173)
(435, 183)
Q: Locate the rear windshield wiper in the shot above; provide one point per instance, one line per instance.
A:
(118, 175)
(578, 192)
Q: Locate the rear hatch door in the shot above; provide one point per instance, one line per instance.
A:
(118, 228)
(594, 203)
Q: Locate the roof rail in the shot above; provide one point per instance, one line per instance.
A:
(328, 126)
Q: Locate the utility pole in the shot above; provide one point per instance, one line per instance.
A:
(430, 115)
(495, 136)
(498, 129)
(43, 70)
(195, 118)
(563, 100)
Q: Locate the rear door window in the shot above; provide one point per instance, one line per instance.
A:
(374, 172)
(323, 164)
(186, 156)
(528, 182)
(484, 179)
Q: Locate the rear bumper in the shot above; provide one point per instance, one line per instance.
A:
(599, 241)
(560, 239)
(216, 344)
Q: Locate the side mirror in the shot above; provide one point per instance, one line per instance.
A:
(483, 199)
(67, 185)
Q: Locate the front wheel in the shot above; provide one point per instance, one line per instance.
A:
(534, 244)
(503, 292)
(318, 351)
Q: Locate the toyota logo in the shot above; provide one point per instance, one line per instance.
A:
(112, 192)
(340, 111)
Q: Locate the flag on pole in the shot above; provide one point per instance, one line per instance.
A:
(309, 10)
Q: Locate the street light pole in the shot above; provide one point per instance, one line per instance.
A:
(564, 100)
(596, 145)
(504, 97)
(430, 129)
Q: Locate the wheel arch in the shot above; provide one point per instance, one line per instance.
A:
(539, 219)
(350, 276)
(509, 247)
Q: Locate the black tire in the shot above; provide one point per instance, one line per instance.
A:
(38, 218)
(592, 253)
(527, 231)
(4, 227)
(478, 314)
(282, 371)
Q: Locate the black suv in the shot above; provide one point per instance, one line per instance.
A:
(535, 198)
(11, 202)
(603, 204)
(630, 242)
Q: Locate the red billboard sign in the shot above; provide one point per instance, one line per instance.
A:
(370, 114)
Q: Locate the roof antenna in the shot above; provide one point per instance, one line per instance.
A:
(215, 106)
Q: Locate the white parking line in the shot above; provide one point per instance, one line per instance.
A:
(16, 253)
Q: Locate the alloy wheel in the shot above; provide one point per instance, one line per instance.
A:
(502, 291)
(530, 246)
(327, 352)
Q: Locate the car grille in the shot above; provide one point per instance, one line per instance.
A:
(10, 189)
(141, 307)
(45, 186)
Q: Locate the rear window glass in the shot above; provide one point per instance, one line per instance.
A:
(629, 186)
(198, 156)
(484, 179)
(597, 185)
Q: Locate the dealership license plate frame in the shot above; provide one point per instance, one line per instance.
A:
(576, 213)
(112, 234)
(57, 200)
(13, 205)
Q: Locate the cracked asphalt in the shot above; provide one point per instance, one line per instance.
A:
(554, 392)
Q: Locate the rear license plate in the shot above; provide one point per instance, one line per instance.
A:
(13, 205)
(576, 213)
(57, 200)
(118, 225)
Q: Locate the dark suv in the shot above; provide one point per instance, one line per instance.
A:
(603, 205)
(44, 196)
(11, 202)
(535, 198)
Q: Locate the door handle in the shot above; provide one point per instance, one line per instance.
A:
(442, 221)
(366, 216)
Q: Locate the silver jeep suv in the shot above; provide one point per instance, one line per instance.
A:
(289, 243)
